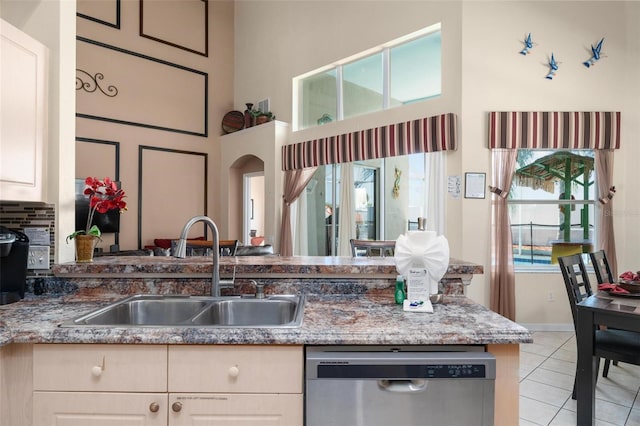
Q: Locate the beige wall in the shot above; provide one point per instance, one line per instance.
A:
(482, 71)
(173, 183)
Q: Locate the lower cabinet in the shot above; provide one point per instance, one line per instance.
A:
(99, 409)
(235, 409)
(109, 385)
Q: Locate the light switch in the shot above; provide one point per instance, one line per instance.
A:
(38, 257)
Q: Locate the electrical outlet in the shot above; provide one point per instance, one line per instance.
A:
(38, 257)
(551, 297)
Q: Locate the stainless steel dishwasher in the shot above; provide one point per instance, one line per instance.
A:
(399, 386)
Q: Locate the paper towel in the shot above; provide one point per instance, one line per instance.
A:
(423, 249)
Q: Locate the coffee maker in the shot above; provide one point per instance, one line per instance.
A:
(14, 250)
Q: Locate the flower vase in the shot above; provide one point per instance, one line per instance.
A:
(85, 244)
(248, 116)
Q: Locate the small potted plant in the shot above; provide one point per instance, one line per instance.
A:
(263, 117)
(104, 195)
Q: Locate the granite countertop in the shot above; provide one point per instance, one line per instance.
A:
(319, 266)
(328, 320)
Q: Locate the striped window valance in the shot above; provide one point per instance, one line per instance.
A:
(554, 130)
(428, 134)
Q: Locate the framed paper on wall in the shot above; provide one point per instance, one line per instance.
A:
(474, 185)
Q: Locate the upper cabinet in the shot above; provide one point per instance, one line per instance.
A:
(23, 116)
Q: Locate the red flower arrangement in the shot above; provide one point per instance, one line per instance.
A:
(104, 195)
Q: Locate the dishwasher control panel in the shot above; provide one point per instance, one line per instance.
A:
(426, 370)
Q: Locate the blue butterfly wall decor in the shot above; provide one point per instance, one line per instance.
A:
(528, 44)
(596, 54)
(553, 67)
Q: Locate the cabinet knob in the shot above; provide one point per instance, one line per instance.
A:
(176, 406)
(154, 407)
(96, 370)
(234, 371)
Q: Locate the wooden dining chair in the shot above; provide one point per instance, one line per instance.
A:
(610, 344)
(601, 267)
(372, 248)
(603, 275)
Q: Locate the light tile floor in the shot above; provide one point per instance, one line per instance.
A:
(547, 368)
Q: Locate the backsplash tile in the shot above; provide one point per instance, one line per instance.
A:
(21, 215)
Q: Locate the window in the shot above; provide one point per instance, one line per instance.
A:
(551, 206)
(400, 72)
(362, 86)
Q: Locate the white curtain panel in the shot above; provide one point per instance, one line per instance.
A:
(347, 215)
(436, 172)
(299, 223)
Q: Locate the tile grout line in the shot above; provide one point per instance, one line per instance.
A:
(547, 357)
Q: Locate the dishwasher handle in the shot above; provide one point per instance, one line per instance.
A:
(403, 386)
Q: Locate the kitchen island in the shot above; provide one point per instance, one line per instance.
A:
(348, 302)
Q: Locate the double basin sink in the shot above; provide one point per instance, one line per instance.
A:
(196, 311)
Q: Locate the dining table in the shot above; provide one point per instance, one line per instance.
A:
(620, 311)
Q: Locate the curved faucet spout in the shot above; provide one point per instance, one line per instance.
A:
(181, 249)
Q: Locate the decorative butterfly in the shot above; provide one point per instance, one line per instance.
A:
(553, 67)
(596, 54)
(528, 44)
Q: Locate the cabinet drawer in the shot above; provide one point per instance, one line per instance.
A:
(81, 367)
(236, 368)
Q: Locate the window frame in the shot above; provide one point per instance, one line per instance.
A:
(553, 268)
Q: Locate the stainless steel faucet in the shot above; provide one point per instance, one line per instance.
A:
(181, 250)
(259, 289)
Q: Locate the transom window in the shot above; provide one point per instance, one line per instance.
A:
(400, 72)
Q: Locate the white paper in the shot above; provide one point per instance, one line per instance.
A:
(453, 186)
(418, 285)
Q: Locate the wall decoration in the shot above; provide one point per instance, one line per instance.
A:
(395, 192)
(90, 83)
(106, 12)
(159, 185)
(174, 100)
(183, 24)
(553, 67)
(453, 186)
(474, 185)
(528, 44)
(596, 54)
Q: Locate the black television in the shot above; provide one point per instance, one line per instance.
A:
(108, 222)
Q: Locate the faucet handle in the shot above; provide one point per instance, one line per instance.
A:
(259, 289)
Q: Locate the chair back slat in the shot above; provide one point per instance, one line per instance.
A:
(601, 267)
(576, 281)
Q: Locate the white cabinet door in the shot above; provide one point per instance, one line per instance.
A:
(99, 409)
(201, 409)
(23, 106)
